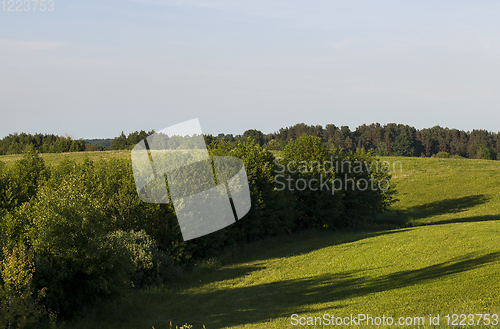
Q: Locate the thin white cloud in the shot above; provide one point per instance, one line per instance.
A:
(193, 3)
(29, 45)
(342, 44)
(256, 8)
(190, 3)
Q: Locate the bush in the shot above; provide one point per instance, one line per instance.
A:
(268, 214)
(149, 265)
(22, 180)
(264, 217)
(273, 145)
(91, 235)
(441, 155)
(317, 204)
(19, 306)
(112, 183)
(361, 204)
(303, 161)
(66, 228)
(381, 149)
(484, 153)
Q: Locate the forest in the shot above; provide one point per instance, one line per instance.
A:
(384, 140)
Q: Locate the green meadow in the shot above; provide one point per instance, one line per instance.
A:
(56, 158)
(437, 251)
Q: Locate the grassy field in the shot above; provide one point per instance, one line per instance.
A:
(56, 158)
(436, 252)
(441, 191)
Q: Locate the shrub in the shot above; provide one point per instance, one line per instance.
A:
(304, 160)
(22, 180)
(259, 221)
(273, 145)
(317, 205)
(19, 306)
(441, 155)
(66, 228)
(149, 265)
(363, 202)
(484, 153)
(381, 149)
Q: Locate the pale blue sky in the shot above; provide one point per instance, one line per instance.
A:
(92, 69)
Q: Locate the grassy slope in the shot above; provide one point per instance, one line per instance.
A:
(445, 258)
(446, 190)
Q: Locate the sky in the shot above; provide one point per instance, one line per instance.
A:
(95, 68)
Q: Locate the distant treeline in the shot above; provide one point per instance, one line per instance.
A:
(397, 139)
(104, 143)
(49, 143)
(390, 139)
(43, 143)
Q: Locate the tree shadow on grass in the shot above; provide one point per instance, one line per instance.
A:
(259, 303)
(483, 218)
(446, 206)
(314, 240)
(441, 207)
(246, 303)
(272, 249)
